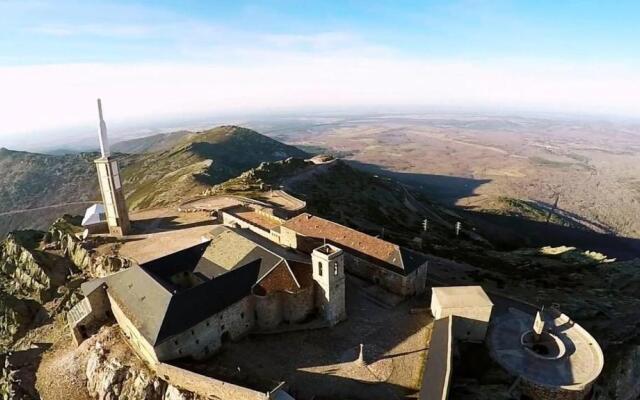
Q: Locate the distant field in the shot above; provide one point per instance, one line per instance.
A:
(473, 160)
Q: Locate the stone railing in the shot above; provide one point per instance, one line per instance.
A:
(437, 371)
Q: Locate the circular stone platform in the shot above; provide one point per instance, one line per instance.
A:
(566, 357)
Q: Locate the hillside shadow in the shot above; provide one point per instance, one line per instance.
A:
(573, 217)
(442, 188)
(512, 232)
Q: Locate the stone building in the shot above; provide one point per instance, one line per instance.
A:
(395, 268)
(328, 273)
(469, 305)
(284, 291)
(187, 304)
(259, 220)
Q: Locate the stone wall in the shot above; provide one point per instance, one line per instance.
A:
(288, 237)
(206, 386)
(88, 315)
(143, 348)
(437, 370)
(277, 307)
(205, 338)
(231, 220)
(470, 323)
(395, 283)
(269, 311)
(298, 305)
(540, 392)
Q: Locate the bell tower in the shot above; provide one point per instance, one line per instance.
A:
(110, 185)
(328, 273)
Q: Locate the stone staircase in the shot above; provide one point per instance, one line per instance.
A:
(79, 312)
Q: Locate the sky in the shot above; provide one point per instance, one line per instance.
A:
(153, 60)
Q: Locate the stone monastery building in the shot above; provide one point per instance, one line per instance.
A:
(254, 272)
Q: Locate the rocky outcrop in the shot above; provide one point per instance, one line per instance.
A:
(29, 272)
(64, 236)
(111, 377)
(15, 317)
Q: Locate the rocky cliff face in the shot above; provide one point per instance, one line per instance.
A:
(112, 374)
(63, 235)
(28, 272)
(39, 268)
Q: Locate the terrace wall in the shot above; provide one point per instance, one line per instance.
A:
(437, 371)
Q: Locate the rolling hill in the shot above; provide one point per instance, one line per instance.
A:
(197, 162)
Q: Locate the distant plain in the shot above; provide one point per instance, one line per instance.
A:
(493, 163)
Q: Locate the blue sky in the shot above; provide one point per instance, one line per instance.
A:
(35, 32)
(193, 57)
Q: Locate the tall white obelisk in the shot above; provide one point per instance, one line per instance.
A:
(110, 185)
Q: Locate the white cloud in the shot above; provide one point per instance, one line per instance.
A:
(38, 98)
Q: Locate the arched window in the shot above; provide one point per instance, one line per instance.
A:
(335, 268)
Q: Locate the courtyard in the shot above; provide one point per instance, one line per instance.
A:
(323, 363)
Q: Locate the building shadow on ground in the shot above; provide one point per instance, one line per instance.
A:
(162, 224)
(442, 188)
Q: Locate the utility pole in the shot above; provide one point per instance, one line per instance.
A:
(458, 228)
(554, 208)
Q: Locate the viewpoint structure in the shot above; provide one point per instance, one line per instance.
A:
(110, 185)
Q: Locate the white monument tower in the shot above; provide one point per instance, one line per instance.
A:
(328, 272)
(111, 186)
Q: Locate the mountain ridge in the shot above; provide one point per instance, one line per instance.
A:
(192, 164)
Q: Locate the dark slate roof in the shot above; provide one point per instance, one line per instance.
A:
(159, 311)
(192, 306)
(89, 286)
(233, 247)
(184, 260)
(412, 259)
(142, 299)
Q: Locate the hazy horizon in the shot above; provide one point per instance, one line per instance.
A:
(153, 62)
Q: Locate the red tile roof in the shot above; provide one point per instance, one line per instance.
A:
(380, 251)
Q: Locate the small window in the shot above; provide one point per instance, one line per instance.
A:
(222, 327)
(193, 332)
(320, 269)
(242, 315)
(197, 341)
(175, 342)
(208, 323)
(179, 351)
